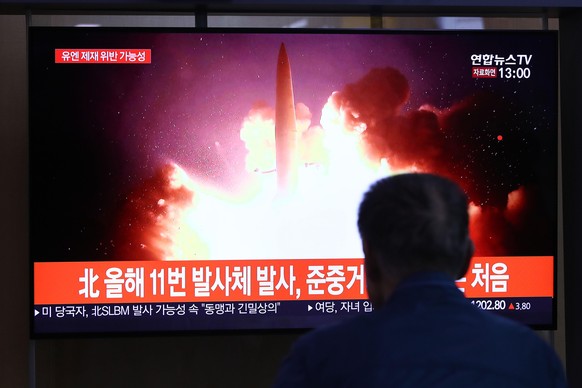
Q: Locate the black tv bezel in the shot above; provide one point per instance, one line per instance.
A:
(292, 31)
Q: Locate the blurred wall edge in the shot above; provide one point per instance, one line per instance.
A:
(14, 279)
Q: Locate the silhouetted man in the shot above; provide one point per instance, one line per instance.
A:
(423, 332)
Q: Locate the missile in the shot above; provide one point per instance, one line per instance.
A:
(286, 135)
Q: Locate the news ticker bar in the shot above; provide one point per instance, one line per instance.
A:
(242, 315)
(263, 280)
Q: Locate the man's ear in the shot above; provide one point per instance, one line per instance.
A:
(374, 279)
(469, 250)
(371, 265)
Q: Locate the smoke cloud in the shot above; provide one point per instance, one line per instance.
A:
(471, 142)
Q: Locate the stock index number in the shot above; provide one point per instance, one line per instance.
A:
(490, 304)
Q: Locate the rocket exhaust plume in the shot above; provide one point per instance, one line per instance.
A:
(286, 135)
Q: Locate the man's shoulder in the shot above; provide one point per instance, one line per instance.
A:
(478, 336)
(324, 355)
(463, 345)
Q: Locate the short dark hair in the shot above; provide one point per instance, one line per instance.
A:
(415, 222)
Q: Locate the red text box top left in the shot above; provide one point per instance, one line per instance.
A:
(103, 56)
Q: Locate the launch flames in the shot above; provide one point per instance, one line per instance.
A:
(363, 135)
(259, 146)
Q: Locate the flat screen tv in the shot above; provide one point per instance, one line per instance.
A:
(188, 180)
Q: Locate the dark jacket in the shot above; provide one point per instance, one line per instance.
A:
(426, 335)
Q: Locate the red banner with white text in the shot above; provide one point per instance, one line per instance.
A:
(256, 280)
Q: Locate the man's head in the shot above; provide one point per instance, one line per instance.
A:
(411, 223)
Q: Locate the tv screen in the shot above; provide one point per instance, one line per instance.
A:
(191, 180)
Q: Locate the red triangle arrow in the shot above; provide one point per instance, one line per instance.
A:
(511, 306)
